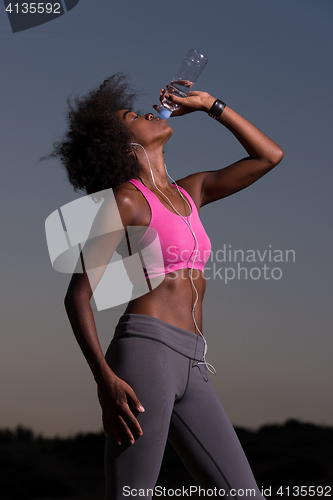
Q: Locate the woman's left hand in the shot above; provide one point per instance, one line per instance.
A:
(194, 101)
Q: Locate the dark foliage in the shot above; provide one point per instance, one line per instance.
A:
(33, 467)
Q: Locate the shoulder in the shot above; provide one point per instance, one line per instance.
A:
(130, 203)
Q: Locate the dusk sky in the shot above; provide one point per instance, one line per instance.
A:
(270, 339)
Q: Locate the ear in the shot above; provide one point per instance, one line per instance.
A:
(131, 149)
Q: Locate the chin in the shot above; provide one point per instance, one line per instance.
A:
(170, 131)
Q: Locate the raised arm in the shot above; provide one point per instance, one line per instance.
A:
(264, 154)
(115, 394)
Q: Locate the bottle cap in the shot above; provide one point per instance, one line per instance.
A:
(165, 113)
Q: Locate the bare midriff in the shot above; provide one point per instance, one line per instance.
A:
(172, 301)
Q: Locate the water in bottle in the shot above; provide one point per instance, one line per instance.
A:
(184, 80)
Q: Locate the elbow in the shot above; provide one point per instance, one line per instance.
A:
(279, 156)
(67, 302)
(276, 157)
(270, 159)
(75, 300)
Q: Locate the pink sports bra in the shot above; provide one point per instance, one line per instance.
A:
(168, 243)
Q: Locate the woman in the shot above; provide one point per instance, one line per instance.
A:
(153, 382)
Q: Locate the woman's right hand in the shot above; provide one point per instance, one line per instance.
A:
(120, 406)
(194, 101)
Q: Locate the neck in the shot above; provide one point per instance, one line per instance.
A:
(156, 162)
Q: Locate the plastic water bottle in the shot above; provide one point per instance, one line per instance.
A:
(184, 80)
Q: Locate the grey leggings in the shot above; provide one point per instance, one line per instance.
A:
(160, 362)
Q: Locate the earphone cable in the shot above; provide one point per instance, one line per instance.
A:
(209, 366)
